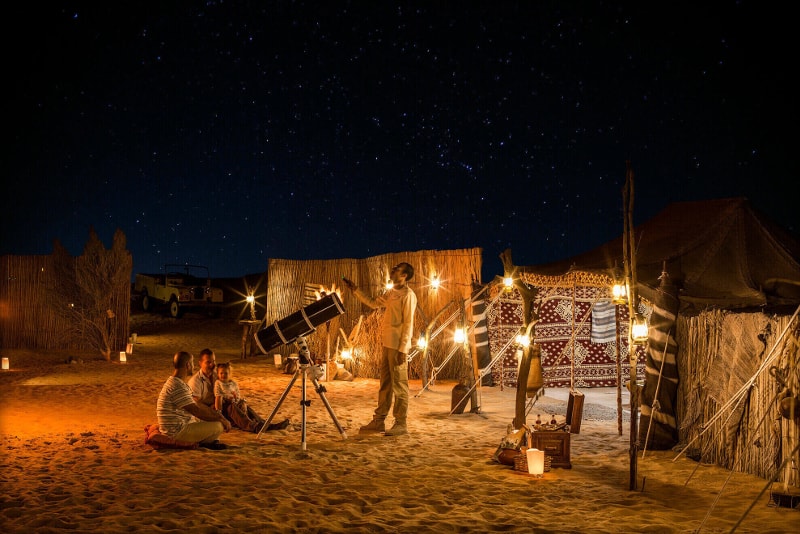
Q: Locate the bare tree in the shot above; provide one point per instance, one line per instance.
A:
(84, 290)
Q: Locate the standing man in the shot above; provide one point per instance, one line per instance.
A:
(176, 407)
(397, 326)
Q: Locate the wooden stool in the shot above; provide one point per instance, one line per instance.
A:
(249, 328)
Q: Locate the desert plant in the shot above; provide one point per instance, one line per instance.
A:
(85, 289)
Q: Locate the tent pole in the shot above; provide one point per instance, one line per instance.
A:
(629, 257)
(574, 338)
(619, 372)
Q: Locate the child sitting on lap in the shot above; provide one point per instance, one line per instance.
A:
(228, 400)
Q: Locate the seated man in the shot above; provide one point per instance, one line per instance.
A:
(202, 386)
(202, 382)
(176, 407)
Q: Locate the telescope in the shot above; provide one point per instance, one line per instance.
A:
(299, 324)
(293, 329)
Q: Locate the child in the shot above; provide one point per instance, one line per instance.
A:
(228, 401)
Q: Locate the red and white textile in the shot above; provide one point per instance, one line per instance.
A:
(595, 364)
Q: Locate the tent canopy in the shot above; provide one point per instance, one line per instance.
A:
(719, 253)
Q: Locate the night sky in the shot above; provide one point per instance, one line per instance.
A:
(226, 133)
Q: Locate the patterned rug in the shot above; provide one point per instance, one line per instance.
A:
(582, 364)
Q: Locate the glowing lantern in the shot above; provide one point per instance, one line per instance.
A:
(619, 293)
(523, 340)
(639, 330)
(508, 283)
(535, 459)
(460, 335)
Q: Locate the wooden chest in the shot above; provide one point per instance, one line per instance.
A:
(555, 444)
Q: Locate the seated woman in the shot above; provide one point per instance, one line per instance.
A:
(228, 401)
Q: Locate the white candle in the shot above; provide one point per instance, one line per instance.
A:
(277, 358)
(535, 461)
(5, 364)
(122, 357)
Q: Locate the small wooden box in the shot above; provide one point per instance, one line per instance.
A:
(555, 445)
(575, 411)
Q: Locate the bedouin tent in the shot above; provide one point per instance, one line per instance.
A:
(694, 256)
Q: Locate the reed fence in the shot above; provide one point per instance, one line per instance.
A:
(458, 270)
(27, 319)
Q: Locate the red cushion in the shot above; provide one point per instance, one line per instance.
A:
(157, 440)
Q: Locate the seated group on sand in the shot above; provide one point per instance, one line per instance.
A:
(200, 409)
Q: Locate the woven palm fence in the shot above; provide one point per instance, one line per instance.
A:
(290, 284)
(734, 368)
(27, 319)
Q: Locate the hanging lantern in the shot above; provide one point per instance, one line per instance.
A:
(459, 336)
(508, 284)
(619, 293)
(523, 339)
(422, 343)
(639, 330)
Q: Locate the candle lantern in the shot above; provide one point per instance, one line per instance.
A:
(619, 293)
(639, 330)
(5, 364)
(277, 358)
(535, 462)
(122, 357)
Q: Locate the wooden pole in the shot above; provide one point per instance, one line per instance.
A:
(528, 320)
(574, 338)
(619, 372)
(629, 256)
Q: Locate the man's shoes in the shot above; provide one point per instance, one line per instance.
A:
(215, 445)
(374, 426)
(397, 430)
(279, 426)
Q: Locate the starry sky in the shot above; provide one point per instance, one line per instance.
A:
(225, 133)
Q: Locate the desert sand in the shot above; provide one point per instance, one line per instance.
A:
(74, 458)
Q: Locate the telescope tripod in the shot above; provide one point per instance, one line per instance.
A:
(307, 371)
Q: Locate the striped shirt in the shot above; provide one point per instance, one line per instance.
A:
(175, 394)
